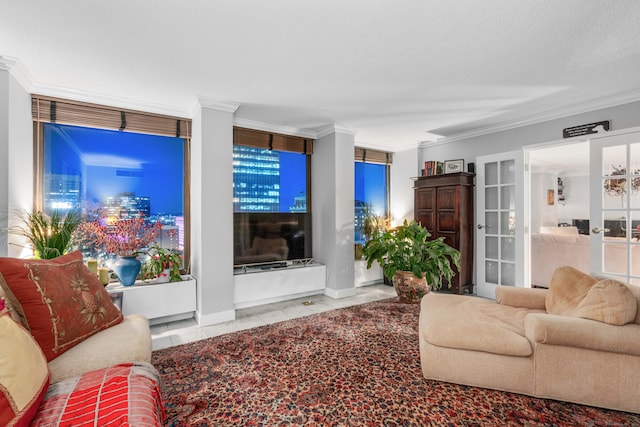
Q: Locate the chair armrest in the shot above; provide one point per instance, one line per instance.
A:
(521, 297)
(541, 328)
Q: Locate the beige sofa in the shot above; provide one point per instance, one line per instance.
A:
(540, 342)
(128, 341)
(554, 247)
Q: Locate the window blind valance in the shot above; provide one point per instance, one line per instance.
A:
(62, 111)
(373, 156)
(272, 141)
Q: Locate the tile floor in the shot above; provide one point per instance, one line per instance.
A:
(184, 331)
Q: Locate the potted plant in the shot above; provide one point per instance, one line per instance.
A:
(125, 239)
(162, 265)
(49, 235)
(372, 224)
(412, 261)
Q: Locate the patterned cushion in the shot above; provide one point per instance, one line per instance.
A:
(59, 301)
(121, 395)
(24, 375)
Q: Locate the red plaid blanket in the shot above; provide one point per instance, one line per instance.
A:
(121, 395)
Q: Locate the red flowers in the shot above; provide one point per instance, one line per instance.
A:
(125, 238)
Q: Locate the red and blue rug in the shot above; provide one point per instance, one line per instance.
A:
(357, 366)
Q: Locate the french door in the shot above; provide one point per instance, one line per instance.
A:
(615, 206)
(500, 221)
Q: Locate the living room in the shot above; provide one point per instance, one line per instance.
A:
(387, 90)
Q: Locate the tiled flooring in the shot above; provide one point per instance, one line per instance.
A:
(184, 331)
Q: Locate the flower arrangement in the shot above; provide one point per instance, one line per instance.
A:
(127, 237)
(159, 261)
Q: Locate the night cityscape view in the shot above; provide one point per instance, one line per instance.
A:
(114, 175)
(268, 180)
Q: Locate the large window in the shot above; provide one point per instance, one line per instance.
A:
(113, 174)
(371, 178)
(272, 215)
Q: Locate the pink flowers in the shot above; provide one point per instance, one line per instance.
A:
(125, 238)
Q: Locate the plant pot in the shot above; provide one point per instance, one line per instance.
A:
(409, 288)
(127, 269)
(163, 277)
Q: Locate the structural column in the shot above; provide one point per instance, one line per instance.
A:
(332, 198)
(212, 210)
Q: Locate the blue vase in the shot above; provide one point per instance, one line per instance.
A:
(127, 269)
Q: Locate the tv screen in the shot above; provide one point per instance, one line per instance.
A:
(271, 238)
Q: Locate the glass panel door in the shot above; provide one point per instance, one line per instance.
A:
(498, 230)
(615, 207)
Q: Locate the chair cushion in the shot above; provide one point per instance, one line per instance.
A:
(473, 323)
(24, 375)
(608, 301)
(59, 301)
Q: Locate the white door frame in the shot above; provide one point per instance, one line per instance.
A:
(527, 187)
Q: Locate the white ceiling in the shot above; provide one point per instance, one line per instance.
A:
(395, 72)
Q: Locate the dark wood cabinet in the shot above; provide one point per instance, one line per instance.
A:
(444, 205)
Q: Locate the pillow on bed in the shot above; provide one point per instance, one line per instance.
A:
(59, 301)
(24, 375)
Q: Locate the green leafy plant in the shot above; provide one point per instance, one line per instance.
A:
(408, 248)
(49, 235)
(372, 223)
(160, 259)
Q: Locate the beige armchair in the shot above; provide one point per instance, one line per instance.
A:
(578, 341)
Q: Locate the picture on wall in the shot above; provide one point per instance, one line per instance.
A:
(550, 197)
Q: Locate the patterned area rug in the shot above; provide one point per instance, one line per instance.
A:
(358, 366)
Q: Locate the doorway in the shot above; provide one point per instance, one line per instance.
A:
(559, 206)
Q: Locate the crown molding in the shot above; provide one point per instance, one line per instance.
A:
(112, 101)
(334, 128)
(267, 127)
(18, 71)
(214, 104)
(559, 113)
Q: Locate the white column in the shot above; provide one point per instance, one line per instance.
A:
(332, 208)
(212, 210)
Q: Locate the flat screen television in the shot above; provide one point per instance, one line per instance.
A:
(271, 238)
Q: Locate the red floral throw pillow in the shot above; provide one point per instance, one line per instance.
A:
(59, 301)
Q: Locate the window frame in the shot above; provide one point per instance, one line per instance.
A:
(94, 116)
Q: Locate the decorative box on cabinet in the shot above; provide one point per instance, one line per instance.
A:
(444, 205)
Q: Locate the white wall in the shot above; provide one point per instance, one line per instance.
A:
(16, 159)
(403, 169)
(576, 191)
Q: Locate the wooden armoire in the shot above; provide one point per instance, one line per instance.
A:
(444, 205)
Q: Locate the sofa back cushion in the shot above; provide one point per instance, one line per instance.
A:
(573, 293)
(608, 301)
(567, 289)
(59, 301)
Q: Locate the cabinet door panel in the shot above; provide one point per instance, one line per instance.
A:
(447, 198)
(447, 222)
(425, 198)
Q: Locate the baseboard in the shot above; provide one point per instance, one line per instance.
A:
(339, 293)
(214, 318)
